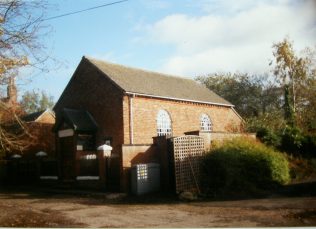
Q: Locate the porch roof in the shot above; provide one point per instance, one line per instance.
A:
(79, 120)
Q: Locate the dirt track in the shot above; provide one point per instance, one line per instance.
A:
(47, 210)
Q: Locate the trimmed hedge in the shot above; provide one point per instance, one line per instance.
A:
(245, 165)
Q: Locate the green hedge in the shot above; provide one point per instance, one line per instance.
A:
(243, 165)
(269, 137)
(291, 140)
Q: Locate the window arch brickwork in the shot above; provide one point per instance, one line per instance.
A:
(205, 123)
(163, 123)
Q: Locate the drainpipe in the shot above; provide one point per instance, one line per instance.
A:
(131, 123)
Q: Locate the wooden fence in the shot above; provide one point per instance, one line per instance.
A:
(186, 155)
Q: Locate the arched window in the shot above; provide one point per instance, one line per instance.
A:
(163, 123)
(205, 123)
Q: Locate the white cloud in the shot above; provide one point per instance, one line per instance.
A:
(230, 7)
(240, 41)
(217, 60)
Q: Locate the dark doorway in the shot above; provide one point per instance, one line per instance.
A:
(67, 158)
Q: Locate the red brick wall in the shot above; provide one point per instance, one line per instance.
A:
(126, 121)
(185, 117)
(135, 154)
(88, 90)
(40, 138)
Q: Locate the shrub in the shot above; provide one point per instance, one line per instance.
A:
(292, 140)
(301, 168)
(244, 165)
(269, 137)
(309, 145)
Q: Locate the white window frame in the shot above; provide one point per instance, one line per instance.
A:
(164, 125)
(205, 123)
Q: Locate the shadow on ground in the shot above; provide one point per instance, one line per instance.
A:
(38, 206)
(98, 198)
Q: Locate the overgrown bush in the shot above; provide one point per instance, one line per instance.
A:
(309, 145)
(269, 137)
(243, 165)
(292, 140)
(301, 168)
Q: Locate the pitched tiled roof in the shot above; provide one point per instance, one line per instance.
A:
(33, 116)
(155, 84)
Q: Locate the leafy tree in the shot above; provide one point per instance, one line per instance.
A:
(251, 95)
(306, 104)
(289, 112)
(33, 101)
(307, 110)
(296, 76)
(288, 98)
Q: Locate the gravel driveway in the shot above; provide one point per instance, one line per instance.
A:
(34, 209)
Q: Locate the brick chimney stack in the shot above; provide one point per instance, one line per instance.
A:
(12, 91)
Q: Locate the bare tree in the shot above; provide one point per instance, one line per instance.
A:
(21, 30)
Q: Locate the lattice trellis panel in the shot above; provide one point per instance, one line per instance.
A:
(187, 152)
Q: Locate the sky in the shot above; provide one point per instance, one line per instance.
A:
(180, 37)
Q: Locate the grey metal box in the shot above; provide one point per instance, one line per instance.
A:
(145, 178)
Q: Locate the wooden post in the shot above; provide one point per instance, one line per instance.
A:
(102, 169)
(104, 152)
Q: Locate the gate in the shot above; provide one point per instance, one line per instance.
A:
(186, 155)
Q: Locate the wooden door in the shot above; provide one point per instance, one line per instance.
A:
(67, 158)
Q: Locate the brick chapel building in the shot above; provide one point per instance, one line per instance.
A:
(127, 108)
